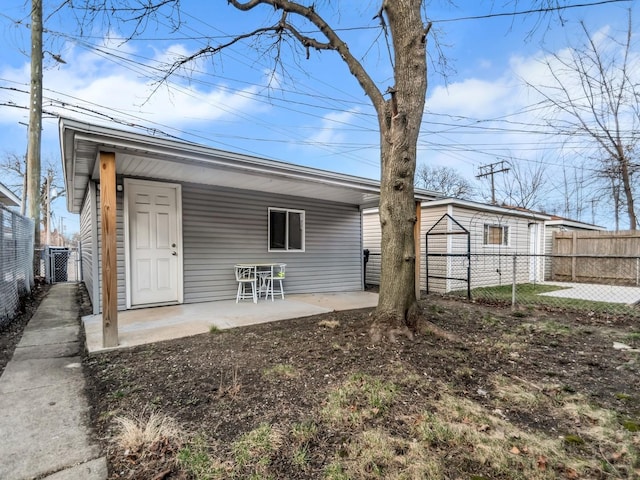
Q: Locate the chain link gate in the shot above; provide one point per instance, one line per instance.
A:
(446, 227)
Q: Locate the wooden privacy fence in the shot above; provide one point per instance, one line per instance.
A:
(596, 257)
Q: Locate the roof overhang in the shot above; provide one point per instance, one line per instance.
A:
(7, 197)
(565, 222)
(484, 207)
(151, 157)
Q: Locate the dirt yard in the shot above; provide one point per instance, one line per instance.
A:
(480, 393)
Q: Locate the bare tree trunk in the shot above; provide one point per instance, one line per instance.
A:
(399, 129)
(628, 193)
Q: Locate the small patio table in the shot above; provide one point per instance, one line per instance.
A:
(264, 271)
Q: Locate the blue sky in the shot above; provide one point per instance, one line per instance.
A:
(309, 112)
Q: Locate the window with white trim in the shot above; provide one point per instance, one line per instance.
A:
(286, 230)
(496, 234)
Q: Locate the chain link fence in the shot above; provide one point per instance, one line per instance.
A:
(16, 262)
(607, 285)
(57, 264)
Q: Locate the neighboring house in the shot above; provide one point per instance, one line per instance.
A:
(185, 214)
(8, 198)
(494, 235)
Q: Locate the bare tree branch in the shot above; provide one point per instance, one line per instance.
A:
(593, 95)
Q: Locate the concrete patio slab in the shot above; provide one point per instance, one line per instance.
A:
(150, 325)
(596, 292)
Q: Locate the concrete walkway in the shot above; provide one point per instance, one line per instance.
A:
(596, 292)
(44, 431)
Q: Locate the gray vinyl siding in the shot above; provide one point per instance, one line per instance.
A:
(548, 248)
(493, 264)
(88, 247)
(437, 244)
(222, 227)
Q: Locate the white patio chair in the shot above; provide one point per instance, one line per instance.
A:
(277, 275)
(247, 283)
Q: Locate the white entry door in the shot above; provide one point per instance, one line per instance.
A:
(155, 253)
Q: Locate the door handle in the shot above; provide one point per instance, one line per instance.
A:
(174, 253)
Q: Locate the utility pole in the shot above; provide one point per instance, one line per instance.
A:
(489, 171)
(47, 192)
(35, 120)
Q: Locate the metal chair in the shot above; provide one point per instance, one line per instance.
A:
(277, 275)
(247, 283)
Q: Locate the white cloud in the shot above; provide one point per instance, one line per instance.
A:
(119, 88)
(474, 98)
(329, 132)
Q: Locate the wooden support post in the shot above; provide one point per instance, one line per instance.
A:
(574, 250)
(109, 252)
(416, 238)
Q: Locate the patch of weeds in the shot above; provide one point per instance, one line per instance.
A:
(335, 471)
(215, 330)
(464, 372)
(573, 439)
(359, 398)
(435, 432)
(254, 450)
(377, 454)
(303, 432)
(506, 451)
(525, 396)
(117, 394)
(329, 323)
(281, 370)
(195, 459)
(631, 426)
(490, 319)
(550, 327)
(234, 386)
(481, 438)
(508, 344)
(632, 337)
(623, 396)
(106, 415)
(520, 314)
(436, 309)
(300, 456)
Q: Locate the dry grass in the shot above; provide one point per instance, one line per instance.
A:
(359, 398)
(135, 435)
(329, 323)
(375, 454)
(281, 370)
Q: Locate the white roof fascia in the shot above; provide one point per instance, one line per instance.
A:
(189, 151)
(486, 208)
(184, 152)
(574, 224)
(7, 197)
